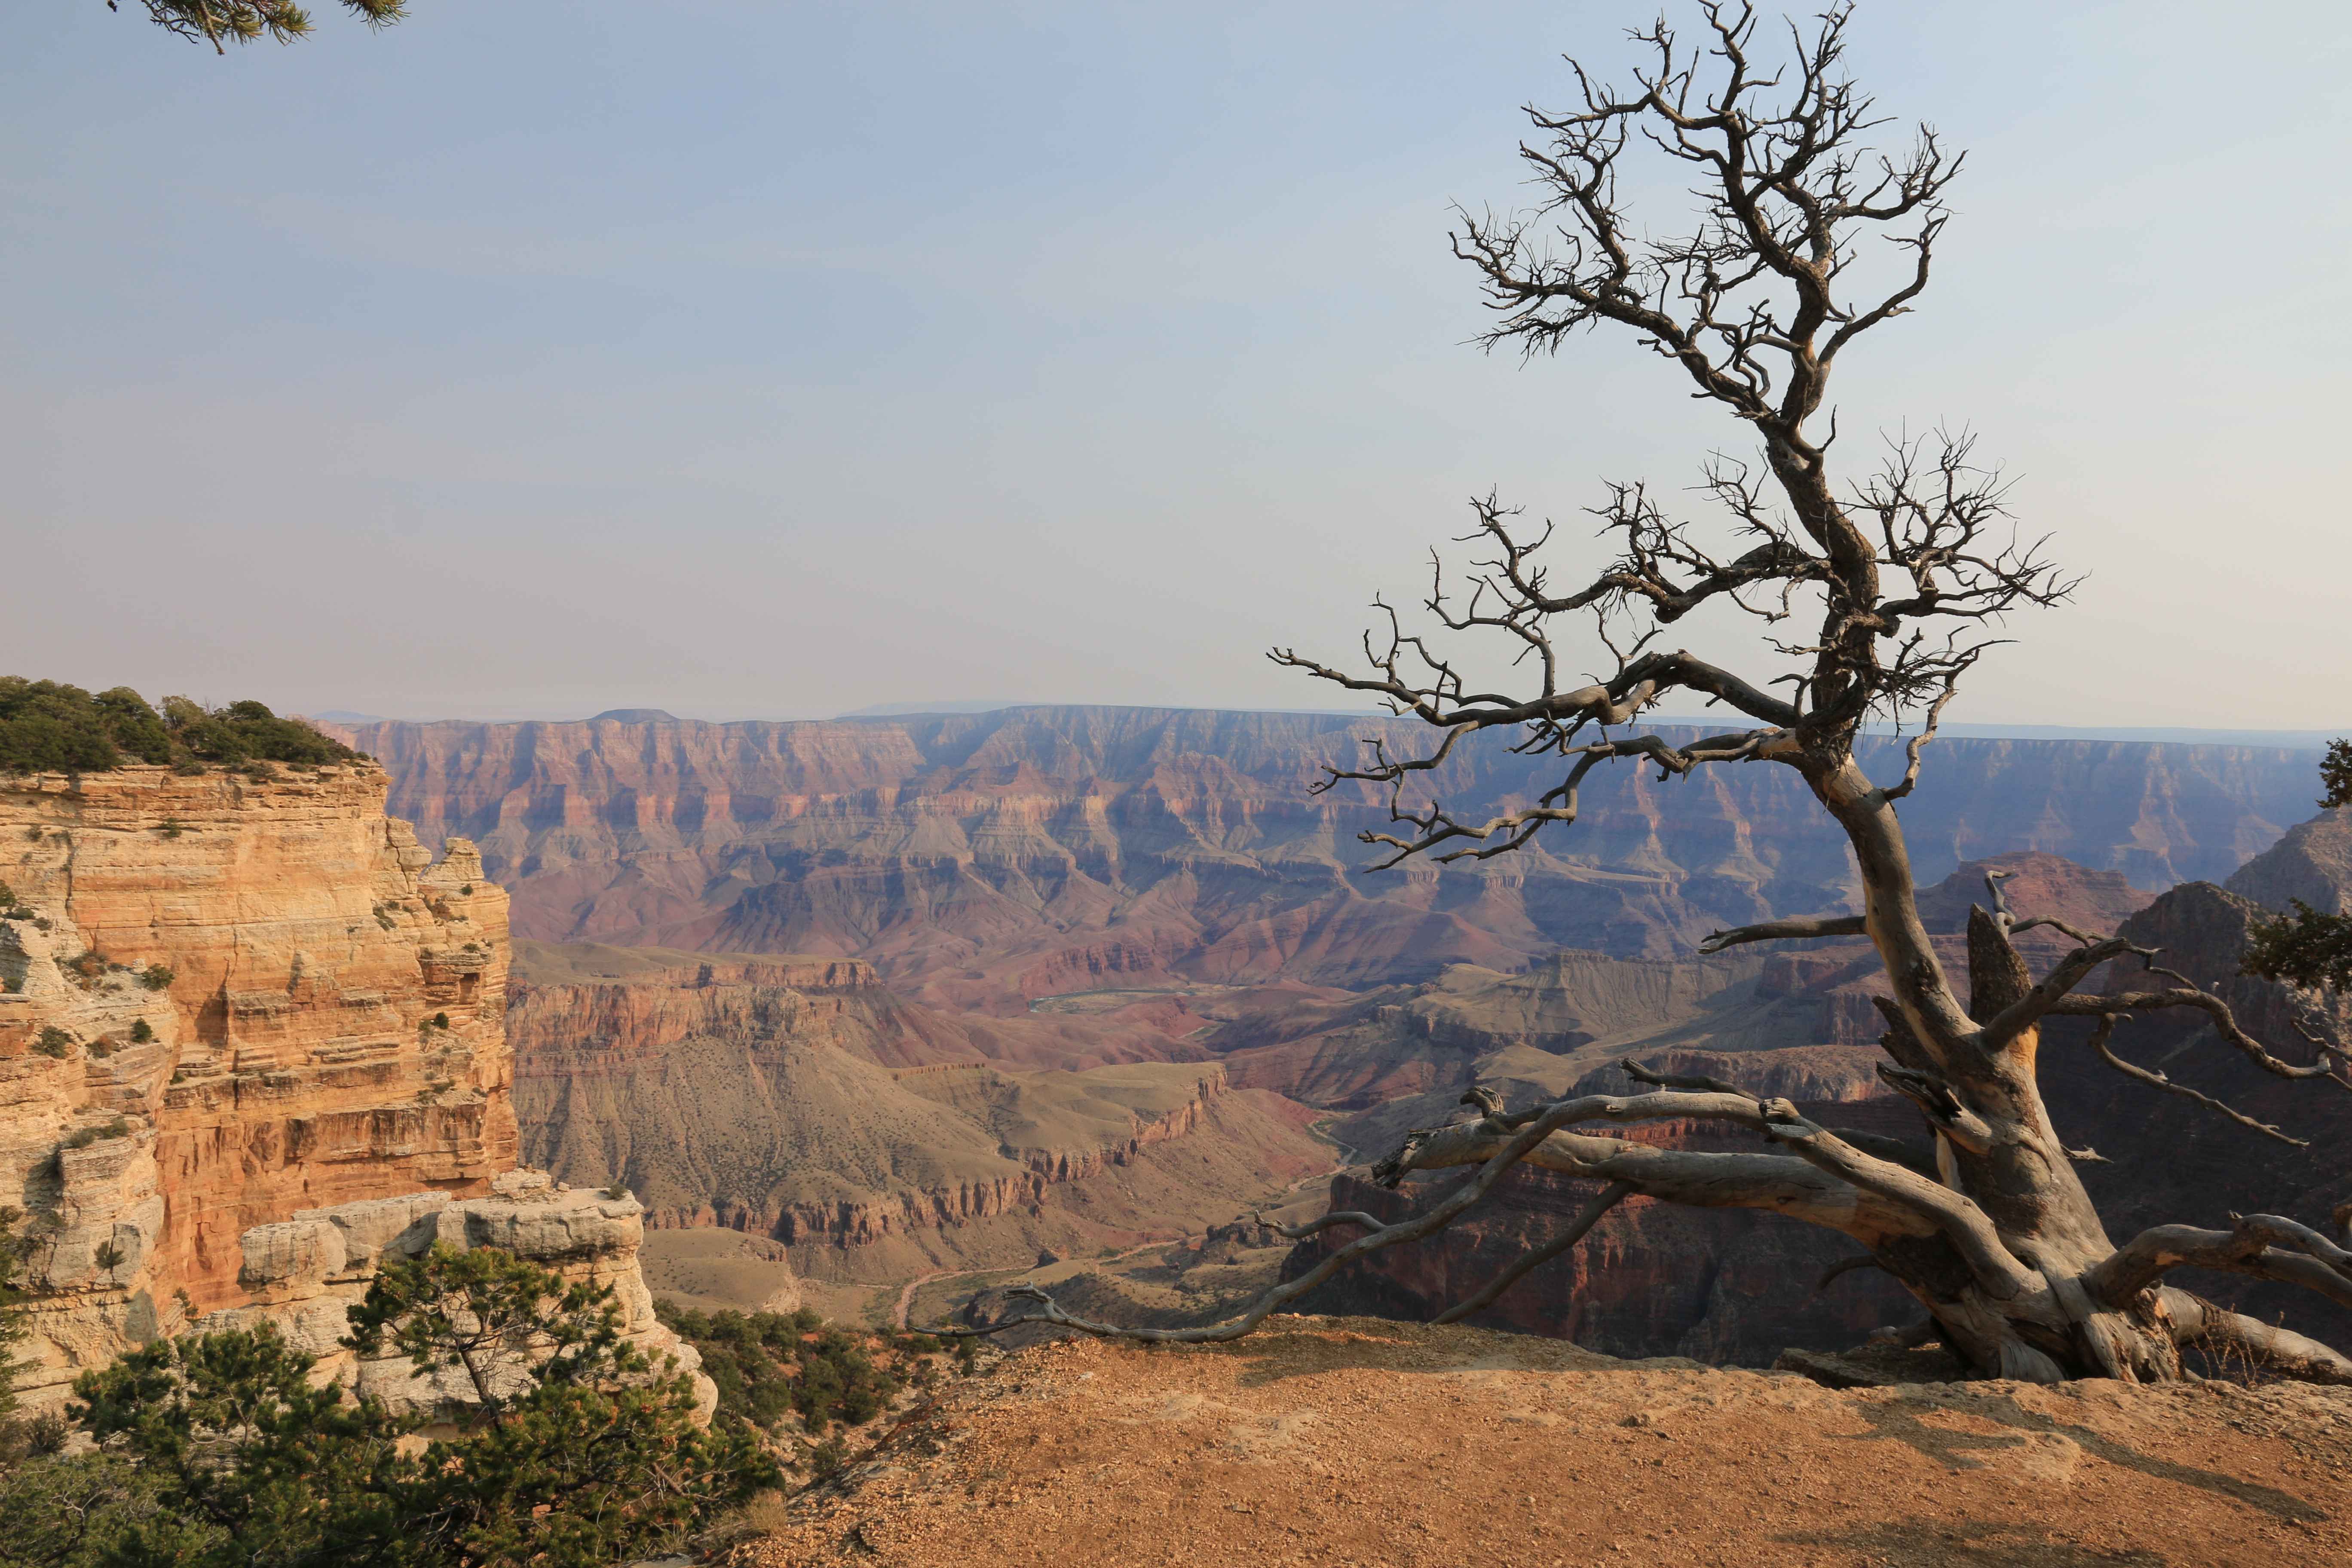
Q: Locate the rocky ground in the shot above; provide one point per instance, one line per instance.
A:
(1341, 1440)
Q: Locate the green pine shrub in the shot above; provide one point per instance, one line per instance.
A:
(47, 726)
(215, 1450)
(772, 1368)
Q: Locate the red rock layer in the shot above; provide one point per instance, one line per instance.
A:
(980, 861)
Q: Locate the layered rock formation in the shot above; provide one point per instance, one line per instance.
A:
(983, 861)
(776, 1096)
(226, 1003)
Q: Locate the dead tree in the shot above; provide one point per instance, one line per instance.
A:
(1874, 595)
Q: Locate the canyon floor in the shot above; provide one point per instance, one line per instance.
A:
(1361, 1441)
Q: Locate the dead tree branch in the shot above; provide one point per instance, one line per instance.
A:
(1809, 929)
(2106, 1028)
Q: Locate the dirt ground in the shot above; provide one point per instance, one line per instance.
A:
(1358, 1441)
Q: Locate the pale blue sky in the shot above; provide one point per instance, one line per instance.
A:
(535, 358)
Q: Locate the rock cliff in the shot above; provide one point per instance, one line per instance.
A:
(983, 861)
(231, 1009)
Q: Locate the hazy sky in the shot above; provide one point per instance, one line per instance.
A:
(761, 360)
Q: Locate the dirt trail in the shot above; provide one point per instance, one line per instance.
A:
(907, 1292)
(1356, 1441)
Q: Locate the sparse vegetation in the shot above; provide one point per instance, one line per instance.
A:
(155, 977)
(776, 1370)
(53, 1041)
(143, 1033)
(47, 726)
(82, 1138)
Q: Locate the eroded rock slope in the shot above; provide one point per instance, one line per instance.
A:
(801, 1100)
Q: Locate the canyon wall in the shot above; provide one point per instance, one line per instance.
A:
(984, 860)
(1650, 1278)
(802, 1100)
(2171, 1161)
(227, 1003)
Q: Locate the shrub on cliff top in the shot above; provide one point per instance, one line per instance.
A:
(83, 1138)
(771, 1365)
(245, 733)
(47, 726)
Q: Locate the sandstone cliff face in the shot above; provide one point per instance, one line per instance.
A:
(224, 1003)
(982, 860)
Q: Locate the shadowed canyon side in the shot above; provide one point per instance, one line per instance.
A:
(1726, 1286)
(982, 860)
(2173, 1161)
(800, 1099)
(252, 1038)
